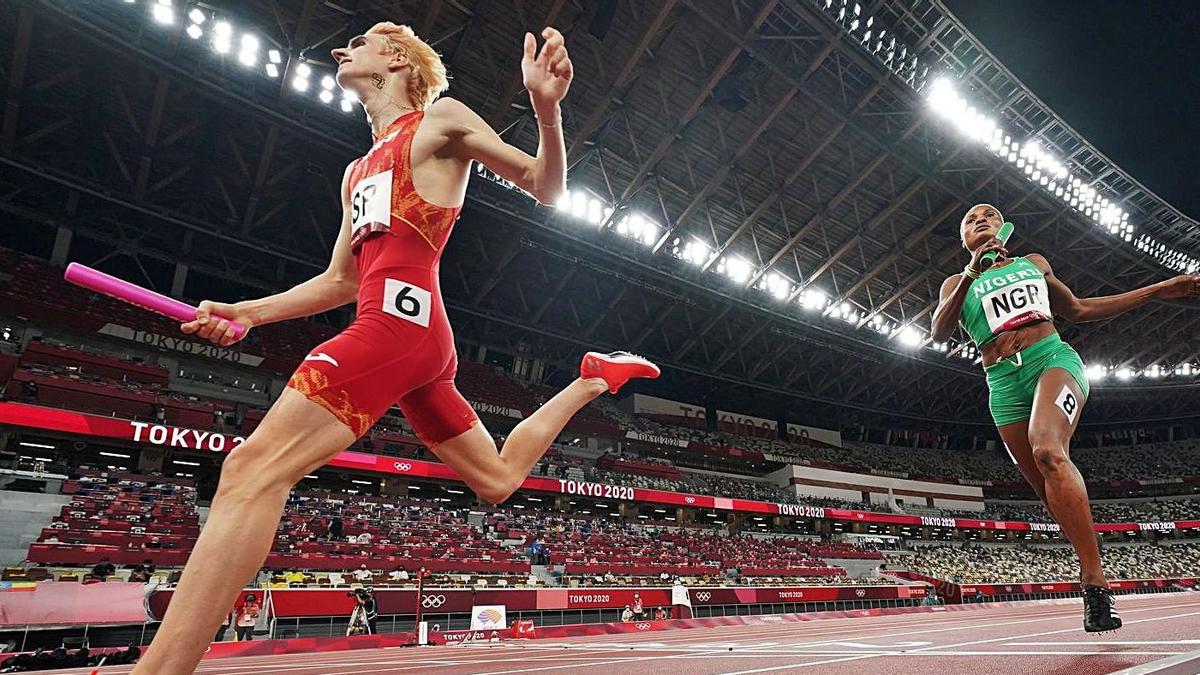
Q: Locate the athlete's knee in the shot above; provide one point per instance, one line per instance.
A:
(497, 489)
(1050, 456)
(247, 473)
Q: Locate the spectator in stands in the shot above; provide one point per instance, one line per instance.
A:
(362, 573)
(609, 578)
(335, 529)
(626, 614)
(247, 616)
(398, 574)
(660, 614)
(294, 577)
(364, 538)
(104, 569)
(637, 605)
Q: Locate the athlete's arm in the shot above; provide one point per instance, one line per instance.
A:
(547, 76)
(950, 304)
(1078, 310)
(336, 286)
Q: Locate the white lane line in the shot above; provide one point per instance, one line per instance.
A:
(792, 666)
(1106, 642)
(1049, 632)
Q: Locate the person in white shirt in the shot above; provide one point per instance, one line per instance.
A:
(398, 575)
(362, 573)
(626, 615)
(364, 538)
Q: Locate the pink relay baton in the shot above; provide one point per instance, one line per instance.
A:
(82, 275)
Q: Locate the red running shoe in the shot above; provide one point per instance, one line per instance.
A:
(616, 368)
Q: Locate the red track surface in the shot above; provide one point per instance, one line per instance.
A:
(1026, 639)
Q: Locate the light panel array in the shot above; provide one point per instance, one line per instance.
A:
(643, 232)
(206, 26)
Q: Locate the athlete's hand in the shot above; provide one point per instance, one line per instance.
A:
(988, 246)
(212, 323)
(547, 75)
(1182, 286)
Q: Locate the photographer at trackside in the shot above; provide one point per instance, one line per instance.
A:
(365, 611)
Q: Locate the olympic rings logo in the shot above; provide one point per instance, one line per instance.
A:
(433, 601)
(862, 592)
(690, 500)
(704, 596)
(642, 626)
(402, 466)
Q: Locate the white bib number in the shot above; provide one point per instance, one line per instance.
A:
(1068, 403)
(1006, 306)
(409, 302)
(371, 201)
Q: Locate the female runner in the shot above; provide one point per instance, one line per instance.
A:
(1037, 382)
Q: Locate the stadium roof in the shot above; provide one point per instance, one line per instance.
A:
(765, 194)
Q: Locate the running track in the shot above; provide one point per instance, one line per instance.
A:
(1023, 638)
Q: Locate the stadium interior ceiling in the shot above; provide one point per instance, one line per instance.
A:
(763, 129)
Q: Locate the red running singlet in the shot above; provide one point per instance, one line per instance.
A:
(399, 350)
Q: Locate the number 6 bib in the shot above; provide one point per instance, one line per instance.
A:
(407, 301)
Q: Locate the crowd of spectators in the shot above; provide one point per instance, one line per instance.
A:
(988, 564)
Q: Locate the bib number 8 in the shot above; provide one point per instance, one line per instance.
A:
(407, 301)
(1068, 403)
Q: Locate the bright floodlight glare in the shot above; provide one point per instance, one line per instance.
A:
(348, 105)
(564, 202)
(194, 32)
(163, 14)
(578, 204)
(1124, 374)
(736, 268)
(1095, 372)
(814, 298)
(223, 29)
(196, 16)
(326, 96)
(327, 82)
(910, 336)
(249, 43)
(275, 56)
(303, 70)
(696, 252)
(247, 58)
(299, 83)
(272, 70)
(595, 211)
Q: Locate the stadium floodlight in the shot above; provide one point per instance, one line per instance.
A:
(695, 252)
(326, 96)
(195, 32)
(303, 70)
(1095, 371)
(735, 267)
(275, 56)
(776, 284)
(578, 204)
(272, 70)
(300, 83)
(327, 82)
(1154, 372)
(1124, 373)
(910, 336)
(197, 16)
(163, 12)
(814, 298)
(595, 211)
(247, 58)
